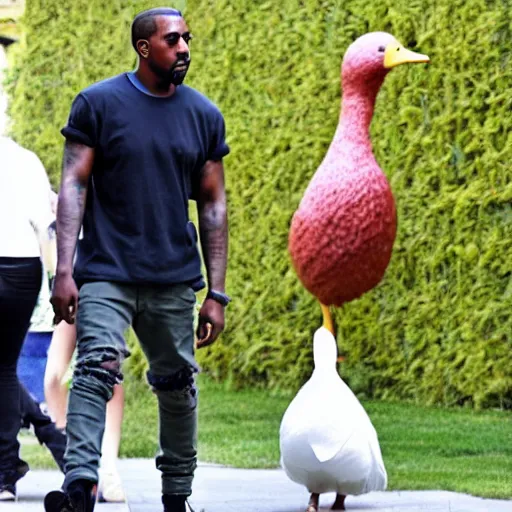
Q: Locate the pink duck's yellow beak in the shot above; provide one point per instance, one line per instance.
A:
(395, 54)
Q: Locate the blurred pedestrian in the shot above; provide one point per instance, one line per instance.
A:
(25, 215)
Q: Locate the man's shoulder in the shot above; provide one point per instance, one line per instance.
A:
(199, 100)
(104, 88)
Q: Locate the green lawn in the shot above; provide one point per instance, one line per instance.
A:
(423, 448)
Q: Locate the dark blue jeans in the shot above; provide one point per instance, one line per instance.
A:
(20, 282)
(162, 318)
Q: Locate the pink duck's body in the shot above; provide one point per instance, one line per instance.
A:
(342, 234)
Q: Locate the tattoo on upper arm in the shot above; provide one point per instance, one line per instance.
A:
(71, 153)
(79, 187)
(208, 168)
(212, 197)
(77, 166)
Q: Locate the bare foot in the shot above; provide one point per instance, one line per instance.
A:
(339, 503)
(313, 503)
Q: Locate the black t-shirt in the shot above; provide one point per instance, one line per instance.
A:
(149, 153)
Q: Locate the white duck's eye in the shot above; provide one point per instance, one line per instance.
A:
(382, 49)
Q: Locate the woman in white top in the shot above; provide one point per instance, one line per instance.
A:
(25, 214)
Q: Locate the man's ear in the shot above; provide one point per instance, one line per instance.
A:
(143, 48)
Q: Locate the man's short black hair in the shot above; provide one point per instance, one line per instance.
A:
(144, 24)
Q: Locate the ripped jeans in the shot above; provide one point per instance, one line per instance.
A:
(162, 318)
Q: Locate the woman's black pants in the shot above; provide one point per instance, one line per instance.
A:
(20, 283)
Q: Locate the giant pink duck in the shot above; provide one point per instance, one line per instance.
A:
(342, 234)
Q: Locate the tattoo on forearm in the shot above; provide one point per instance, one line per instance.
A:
(71, 206)
(214, 241)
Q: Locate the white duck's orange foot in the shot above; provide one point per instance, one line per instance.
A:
(339, 503)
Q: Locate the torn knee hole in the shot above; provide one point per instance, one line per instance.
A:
(106, 367)
(111, 365)
(181, 380)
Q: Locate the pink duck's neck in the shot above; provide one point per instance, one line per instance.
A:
(357, 108)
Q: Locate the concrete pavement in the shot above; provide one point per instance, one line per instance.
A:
(221, 489)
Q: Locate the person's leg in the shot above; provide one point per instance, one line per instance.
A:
(20, 281)
(30, 411)
(165, 330)
(113, 425)
(59, 356)
(45, 430)
(104, 312)
(110, 486)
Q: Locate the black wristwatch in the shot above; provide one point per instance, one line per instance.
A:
(219, 297)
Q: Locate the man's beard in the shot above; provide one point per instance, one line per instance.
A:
(177, 76)
(173, 76)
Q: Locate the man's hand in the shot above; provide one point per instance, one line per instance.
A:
(211, 322)
(64, 298)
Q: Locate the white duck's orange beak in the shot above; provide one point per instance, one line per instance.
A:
(395, 54)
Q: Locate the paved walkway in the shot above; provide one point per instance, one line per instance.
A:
(220, 489)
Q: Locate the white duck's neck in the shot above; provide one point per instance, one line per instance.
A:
(325, 351)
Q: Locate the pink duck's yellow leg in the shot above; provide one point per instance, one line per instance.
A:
(328, 323)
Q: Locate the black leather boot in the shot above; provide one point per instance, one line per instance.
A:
(175, 503)
(80, 496)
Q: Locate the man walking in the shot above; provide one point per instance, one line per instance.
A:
(138, 147)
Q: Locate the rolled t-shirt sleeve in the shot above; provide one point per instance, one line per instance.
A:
(82, 124)
(218, 147)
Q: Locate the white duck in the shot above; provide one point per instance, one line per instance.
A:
(327, 440)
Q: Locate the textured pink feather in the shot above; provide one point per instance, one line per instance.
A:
(342, 234)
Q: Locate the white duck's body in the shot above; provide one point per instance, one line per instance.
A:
(327, 440)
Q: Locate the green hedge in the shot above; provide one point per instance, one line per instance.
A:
(438, 328)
